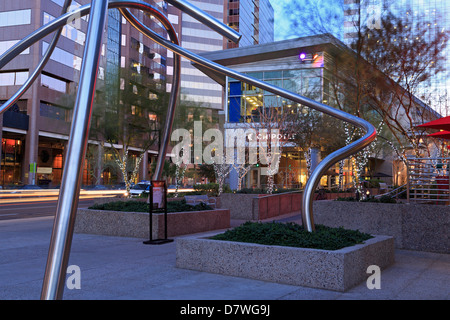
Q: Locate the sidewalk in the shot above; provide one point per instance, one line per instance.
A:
(114, 268)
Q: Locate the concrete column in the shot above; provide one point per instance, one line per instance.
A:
(100, 164)
(233, 179)
(33, 106)
(32, 138)
(144, 167)
(315, 158)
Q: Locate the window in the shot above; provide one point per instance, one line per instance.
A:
(17, 78)
(68, 31)
(53, 83)
(64, 57)
(15, 18)
(5, 45)
(52, 111)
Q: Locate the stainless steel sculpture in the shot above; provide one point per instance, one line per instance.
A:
(70, 186)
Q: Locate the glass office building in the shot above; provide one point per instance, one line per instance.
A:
(306, 66)
(35, 131)
(433, 15)
(253, 19)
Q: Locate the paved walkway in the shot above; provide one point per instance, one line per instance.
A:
(114, 268)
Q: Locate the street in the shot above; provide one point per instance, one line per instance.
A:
(38, 203)
(34, 209)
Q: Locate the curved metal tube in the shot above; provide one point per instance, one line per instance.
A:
(313, 182)
(6, 105)
(206, 19)
(176, 76)
(307, 212)
(61, 239)
(66, 204)
(41, 33)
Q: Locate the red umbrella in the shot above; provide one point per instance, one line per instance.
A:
(441, 123)
(440, 134)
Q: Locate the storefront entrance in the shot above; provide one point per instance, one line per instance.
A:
(11, 162)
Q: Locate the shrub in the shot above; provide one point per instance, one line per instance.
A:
(382, 199)
(293, 235)
(139, 206)
(211, 188)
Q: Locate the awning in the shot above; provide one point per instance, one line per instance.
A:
(440, 135)
(440, 124)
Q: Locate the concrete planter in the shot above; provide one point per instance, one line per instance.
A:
(413, 226)
(136, 224)
(260, 206)
(337, 270)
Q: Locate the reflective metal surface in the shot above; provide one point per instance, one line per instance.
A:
(61, 240)
(206, 19)
(167, 130)
(326, 163)
(6, 105)
(64, 221)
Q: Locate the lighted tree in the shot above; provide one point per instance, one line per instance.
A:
(273, 131)
(408, 55)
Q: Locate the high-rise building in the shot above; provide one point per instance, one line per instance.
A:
(35, 131)
(433, 15)
(252, 18)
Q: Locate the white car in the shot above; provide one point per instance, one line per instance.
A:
(137, 189)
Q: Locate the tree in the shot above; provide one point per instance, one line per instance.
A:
(271, 124)
(392, 62)
(408, 55)
(310, 17)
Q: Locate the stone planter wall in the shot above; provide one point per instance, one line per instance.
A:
(266, 207)
(136, 224)
(262, 206)
(414, 226)
(337, 270)
(239, 204)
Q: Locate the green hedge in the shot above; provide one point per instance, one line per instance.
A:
(293, 235)
(139, 206)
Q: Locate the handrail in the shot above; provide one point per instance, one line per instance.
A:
(64, 221)
(327, 162)
(392, 191)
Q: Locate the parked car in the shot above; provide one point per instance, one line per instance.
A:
(139, 188)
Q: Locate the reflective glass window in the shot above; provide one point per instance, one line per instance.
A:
(15, 18)
(5, 45)
(53, 83)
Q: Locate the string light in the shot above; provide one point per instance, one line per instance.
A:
(122, 163)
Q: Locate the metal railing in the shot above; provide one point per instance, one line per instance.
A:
(394, 193)
(62, 233)
(428, 180)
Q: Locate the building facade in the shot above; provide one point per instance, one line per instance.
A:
(35, 131)
(305, 66)
(434, 16)
(252, 18)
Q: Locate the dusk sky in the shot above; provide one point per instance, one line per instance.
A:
(281, 25)
(283, 28)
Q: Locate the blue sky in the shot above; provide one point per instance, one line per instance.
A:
(283, 24)
(280, 24)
